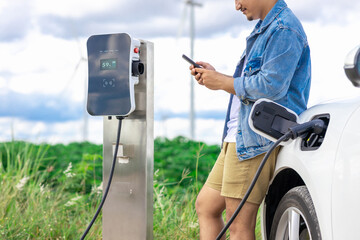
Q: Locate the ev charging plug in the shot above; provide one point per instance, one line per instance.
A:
(271, 120)
(316, 126)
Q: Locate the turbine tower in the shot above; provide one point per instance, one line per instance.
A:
(192, 4)
(82, 62)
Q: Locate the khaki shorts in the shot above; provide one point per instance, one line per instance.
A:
(233, 177)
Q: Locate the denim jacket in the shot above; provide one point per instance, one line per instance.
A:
(278, 68)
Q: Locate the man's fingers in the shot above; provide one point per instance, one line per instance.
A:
(200, 70)
(197, 76)
(193, 72)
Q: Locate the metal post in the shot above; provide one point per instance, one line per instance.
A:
(192, 92)
(192, 107)
(85, 115)
(128, 210)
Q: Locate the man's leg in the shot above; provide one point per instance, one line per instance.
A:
(237, 177)
(209, 203)
(243, 227)
(209, 207)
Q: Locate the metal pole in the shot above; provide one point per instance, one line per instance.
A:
(192, 107)
(192, 93)
(86, 119)
(128, 210)
(12, 129)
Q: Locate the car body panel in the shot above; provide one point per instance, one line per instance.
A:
(317, 167)
(346, 181)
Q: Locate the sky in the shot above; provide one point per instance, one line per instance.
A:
(43, 67)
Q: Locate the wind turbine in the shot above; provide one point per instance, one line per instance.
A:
(191, 4)
(82, 60)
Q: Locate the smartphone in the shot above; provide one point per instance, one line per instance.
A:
(189, 60)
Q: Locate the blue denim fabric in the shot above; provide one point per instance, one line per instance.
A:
(278, 68)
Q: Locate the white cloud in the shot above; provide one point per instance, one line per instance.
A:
(15, 19)
(61, 132)
(207, 130)
(73, 8)
(3, 83)
(210, 131)
(156, 18)
(327, 12)
(172, 76)
(329, 44)
(5, 129)
(42, 62)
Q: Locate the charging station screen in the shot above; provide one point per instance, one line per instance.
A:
(108, 64)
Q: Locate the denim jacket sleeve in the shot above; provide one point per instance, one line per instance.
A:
(269, 74)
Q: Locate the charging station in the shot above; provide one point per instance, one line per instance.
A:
(121, 84)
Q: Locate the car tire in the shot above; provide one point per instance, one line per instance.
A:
(295, 217)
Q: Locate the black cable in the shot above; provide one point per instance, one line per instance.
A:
(286, 136)
(109, 181)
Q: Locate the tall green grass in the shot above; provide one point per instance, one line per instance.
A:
(52, 192)
(34, 206)
(177, 211)
(174, 213)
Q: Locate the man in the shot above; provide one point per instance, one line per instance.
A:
(275, 65)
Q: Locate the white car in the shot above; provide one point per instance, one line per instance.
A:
(315, 192)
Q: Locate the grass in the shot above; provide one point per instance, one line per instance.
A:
(44, 197)
(32, 208)
(174, 214)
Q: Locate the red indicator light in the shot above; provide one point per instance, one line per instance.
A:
(136, 50)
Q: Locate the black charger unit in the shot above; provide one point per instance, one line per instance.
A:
(114, 68)
(271, 120)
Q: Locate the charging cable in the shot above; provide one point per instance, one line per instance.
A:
(109, 181)
(316, 126)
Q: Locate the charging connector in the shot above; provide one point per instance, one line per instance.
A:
(316, 126)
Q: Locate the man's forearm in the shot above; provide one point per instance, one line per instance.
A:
(228, 85)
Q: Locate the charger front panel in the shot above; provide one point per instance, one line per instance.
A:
(109, 70)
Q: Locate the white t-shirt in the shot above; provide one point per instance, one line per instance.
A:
(232, 124)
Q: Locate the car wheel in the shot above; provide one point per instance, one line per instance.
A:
(295, 217)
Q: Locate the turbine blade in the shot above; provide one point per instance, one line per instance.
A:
(182, 21)
(72, 77)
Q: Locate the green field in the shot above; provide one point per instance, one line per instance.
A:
(52, 191)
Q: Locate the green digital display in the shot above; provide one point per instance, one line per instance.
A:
(108, 64)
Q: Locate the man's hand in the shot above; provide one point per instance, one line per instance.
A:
(212, 79)
(215, 80)
(196, 74)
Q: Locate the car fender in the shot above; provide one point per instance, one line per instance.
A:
(346, 181)
(316, 167)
